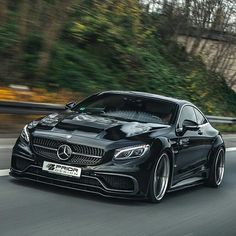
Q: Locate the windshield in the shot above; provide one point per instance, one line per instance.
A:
(129, 107)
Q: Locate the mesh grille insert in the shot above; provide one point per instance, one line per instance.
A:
(82, 154)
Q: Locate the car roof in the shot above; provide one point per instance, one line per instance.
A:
(150, 95)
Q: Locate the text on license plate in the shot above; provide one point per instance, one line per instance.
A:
(61, 169)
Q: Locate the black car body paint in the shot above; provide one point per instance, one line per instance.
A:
(94, 138)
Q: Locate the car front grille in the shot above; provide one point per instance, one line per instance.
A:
(81, 154)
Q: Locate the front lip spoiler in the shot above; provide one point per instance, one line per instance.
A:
(101, 190)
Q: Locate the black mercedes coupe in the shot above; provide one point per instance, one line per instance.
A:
(122, 144)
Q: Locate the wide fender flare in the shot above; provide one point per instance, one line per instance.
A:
(217, 143)
(160, 145)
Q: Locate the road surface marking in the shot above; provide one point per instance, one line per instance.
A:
(4, 172)
(232, 149)
(6, 146)
(229, 136)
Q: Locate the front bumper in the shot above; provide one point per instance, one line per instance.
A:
(106, 180)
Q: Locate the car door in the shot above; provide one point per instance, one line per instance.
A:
(204, 128)
(189, 154)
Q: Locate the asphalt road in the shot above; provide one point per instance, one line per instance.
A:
(35, 209)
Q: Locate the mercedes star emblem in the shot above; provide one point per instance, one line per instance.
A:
(64, 152)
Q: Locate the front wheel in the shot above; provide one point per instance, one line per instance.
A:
(159, 178)
(217, 169)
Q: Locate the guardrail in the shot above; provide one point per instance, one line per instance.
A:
(29, 108)
(222, 119)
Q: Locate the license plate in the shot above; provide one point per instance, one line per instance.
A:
(59, 169)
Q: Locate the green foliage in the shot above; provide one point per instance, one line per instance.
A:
(31, 47)
(109, 22)
(227, 128)
(8, 39)
(113, 45)
(77, 69)
(8, 42)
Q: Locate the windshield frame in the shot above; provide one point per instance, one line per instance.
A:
(137, 96)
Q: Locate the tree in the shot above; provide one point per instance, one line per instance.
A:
(3, 11)
(56, 13)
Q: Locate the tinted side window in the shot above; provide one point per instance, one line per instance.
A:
(187, 114)
(200, 118)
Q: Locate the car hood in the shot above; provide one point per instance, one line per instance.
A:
(97, 126)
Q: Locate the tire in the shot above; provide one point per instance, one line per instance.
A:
(217, 169)
(159, 178)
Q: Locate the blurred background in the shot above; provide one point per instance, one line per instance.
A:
(55, 51)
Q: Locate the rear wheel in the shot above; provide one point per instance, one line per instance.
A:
(159, 178)
(217, 169)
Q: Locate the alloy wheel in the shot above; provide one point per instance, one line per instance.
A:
(161, 176)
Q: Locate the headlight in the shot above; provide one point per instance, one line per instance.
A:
(25, 134)
(131, 152)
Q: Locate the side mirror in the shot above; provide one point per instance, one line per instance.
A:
(188, 125)
(70, 105)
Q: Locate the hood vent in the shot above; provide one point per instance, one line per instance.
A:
(72, 127)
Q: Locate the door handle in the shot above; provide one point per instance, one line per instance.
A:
(200, 132)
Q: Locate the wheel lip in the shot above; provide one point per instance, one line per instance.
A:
(219, 179)
(165, 184)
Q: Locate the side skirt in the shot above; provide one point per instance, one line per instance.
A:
(194, 181)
